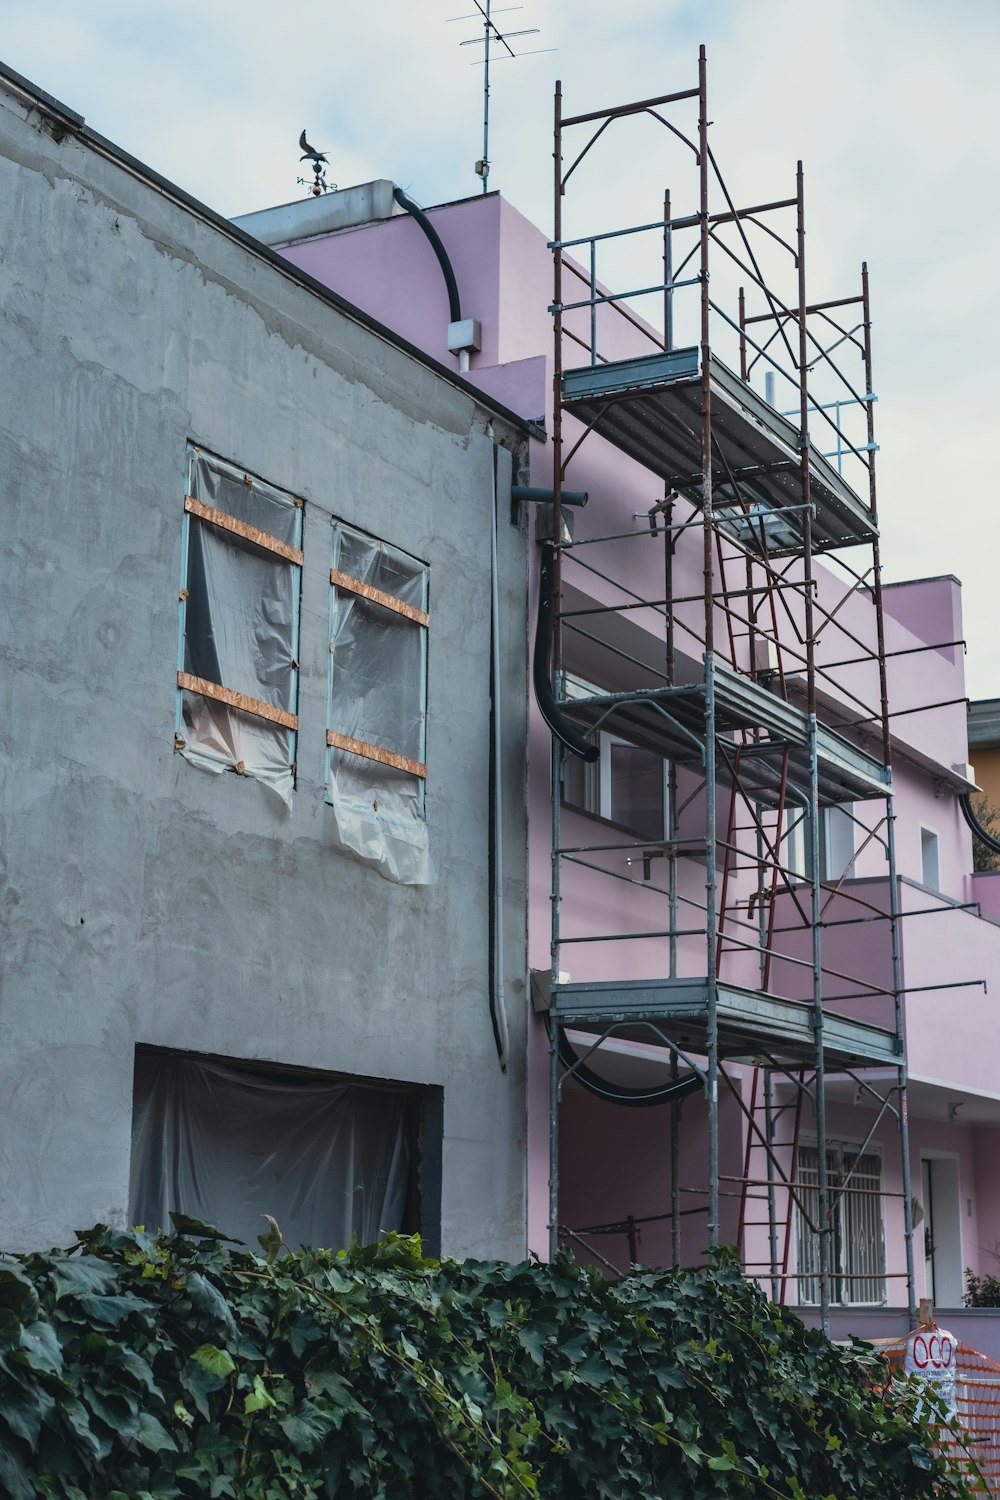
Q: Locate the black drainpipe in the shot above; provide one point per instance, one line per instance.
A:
(435, 242)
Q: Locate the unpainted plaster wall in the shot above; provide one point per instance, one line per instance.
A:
(146, 901)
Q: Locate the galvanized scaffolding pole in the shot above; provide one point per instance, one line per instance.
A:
(556, 757)
(902, 1119)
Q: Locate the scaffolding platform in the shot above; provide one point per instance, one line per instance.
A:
(651, 408)
(671, 721)
(750, 1024)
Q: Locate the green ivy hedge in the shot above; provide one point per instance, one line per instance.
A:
(156, 1367)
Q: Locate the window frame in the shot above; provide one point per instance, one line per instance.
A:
(930, 841)
(419, 617)
(196, 511)
(797, 843)
(598, 787)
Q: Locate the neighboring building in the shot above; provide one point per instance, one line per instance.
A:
(788, 950)
(261, 594)
(984, 746)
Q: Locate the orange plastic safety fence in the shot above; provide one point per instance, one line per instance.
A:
(976, 1443)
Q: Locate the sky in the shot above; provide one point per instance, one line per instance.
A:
(893, 106)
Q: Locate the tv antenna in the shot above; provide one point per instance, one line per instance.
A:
(495, 39)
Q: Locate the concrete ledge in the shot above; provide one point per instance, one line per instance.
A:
(306, 219)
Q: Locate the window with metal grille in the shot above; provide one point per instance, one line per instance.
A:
(857, 1243)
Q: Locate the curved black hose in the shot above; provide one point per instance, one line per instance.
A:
(542, 661)
(616, 1093)
(439, 250)
(991, 842)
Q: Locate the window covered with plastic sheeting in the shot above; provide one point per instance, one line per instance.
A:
(237, 669)
(378, 697)
(330, 1159)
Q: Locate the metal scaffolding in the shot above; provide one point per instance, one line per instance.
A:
(765, 696)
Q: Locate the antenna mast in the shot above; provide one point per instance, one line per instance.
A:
(492, 35)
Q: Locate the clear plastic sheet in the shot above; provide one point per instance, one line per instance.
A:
(378, 695)
(240, 627)
(226, 1144)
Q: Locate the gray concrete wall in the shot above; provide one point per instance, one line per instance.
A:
(143, 900)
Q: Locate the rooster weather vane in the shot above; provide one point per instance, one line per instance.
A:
(319, 183)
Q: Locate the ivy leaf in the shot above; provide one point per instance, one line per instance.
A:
(112, 1310)
(17, 1292)
(331, 1384)
(207, 1298)
(10, 1328)
(533, 1341)
(139, 1369)
(182, 1414)
(215, 1361)
(14, 1480)
(258, 1398)
(594, 1371)
(82, 1275)
(25, 1410)
(76, 1415)
(270, 1242)
(42, 1347)
(184, 1224)
(153, 1435)
(306, 1429)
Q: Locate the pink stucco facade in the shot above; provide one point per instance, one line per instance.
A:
(616, 1163)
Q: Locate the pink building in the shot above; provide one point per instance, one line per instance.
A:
(763, 970)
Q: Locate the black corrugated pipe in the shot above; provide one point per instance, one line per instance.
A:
(439, 250)
(616, 1093)
(987, 838)
(542, 665)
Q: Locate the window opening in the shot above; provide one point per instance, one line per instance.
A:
(237, 670)
(930, 859)
(836, 843)
(627, 785)
(377, 725)
(857, 1244)
(330, 1157)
